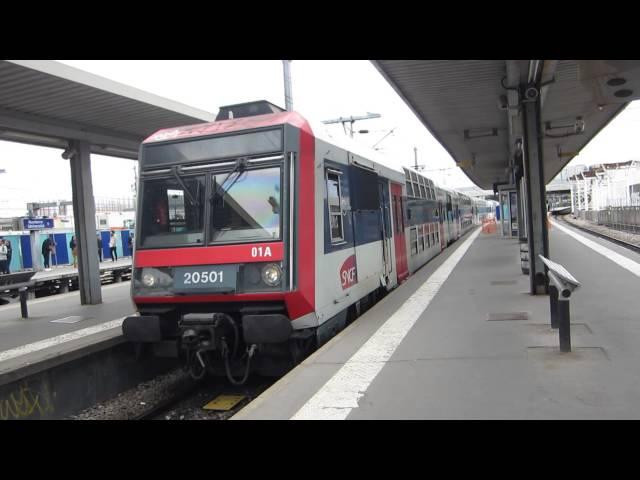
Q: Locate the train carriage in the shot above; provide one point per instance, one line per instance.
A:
(259, 239)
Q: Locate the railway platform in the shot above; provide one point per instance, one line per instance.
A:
(464, 339)
(58, 324)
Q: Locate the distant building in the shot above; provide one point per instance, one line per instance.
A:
(606, 185)
(110, 213)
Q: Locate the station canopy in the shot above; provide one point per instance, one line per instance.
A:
(47, 103)
(472, 107)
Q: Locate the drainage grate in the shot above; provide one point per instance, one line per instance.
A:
(508, 316)
(74, 319)
(504, 282)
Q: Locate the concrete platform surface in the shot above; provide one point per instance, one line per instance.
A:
(458, 361)
(58, 324)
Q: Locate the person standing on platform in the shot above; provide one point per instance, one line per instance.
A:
(7, 242)
(131, 244)
(3, 258)
(46, 253)
(99, 248)
(112, 247)
(74, 250)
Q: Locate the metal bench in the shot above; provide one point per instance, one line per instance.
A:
(561, 286)
(21, 282)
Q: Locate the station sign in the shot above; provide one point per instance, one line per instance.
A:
(37, 223)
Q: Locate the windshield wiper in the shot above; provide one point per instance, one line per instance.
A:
(238, 168)
(192, 200)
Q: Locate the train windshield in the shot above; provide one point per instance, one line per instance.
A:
(246, 206)
(173, 212)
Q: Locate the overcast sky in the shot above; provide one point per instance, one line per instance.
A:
(321, 90)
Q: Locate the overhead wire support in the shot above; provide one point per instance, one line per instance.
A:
(388, 133)
(351, 121)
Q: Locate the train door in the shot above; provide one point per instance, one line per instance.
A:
(398, 232)
(449, 220)
(441, 222)
(383, 192)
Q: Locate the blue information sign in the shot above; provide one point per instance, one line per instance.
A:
(37, 223)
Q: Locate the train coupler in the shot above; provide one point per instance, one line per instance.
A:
(201, 334)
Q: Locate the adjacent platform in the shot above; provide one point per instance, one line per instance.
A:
(460, 361)
(53, 319)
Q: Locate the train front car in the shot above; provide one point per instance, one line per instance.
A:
(218, 275)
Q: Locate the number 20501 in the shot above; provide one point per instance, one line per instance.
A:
(213, 276)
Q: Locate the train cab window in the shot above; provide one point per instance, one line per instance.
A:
(246, 207)
(334, 199)
(173, 212)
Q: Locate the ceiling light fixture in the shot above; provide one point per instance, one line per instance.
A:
(470, 134)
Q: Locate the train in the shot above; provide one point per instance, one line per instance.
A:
(260, 238)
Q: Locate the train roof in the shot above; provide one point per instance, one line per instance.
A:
(318, 130)
(227, 126)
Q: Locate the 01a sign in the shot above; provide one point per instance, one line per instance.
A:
(37, 223)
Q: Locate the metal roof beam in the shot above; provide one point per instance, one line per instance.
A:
(14, 125)
(88, 79)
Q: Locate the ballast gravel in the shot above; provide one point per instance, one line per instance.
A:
(137, 400)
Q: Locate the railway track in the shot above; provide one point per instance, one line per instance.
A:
(188, 402)
(176, 396)
(622, 243)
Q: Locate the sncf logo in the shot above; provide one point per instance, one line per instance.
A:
(348, 272)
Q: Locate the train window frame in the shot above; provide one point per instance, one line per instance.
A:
(338, 175)
(432, 195)
(146, 240)
(212, 174)
(415, 183)
(413, 240)
(409, 188)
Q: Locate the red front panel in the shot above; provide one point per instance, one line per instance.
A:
(302, 301)
(299, 302)
(214, 255)
(398, 232)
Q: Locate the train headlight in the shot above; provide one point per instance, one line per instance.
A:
(155, 278)
(149, 280)
(271, 274)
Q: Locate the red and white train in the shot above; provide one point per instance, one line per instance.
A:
(258, 240)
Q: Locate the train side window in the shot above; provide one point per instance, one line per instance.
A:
(393, 214)
(423, 191)
(409, 189)
(420, 235)
(413, 233)
(427, 235)
(334, 200)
